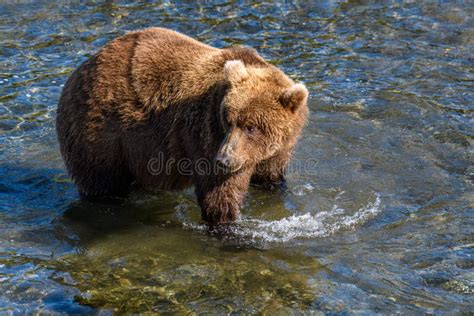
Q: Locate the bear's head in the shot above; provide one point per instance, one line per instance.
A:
(261, 115)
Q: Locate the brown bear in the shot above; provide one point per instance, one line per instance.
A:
(223, 117)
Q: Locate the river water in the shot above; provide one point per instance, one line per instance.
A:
(383, 222)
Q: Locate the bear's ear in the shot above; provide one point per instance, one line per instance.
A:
(235, 71)
(294, 97)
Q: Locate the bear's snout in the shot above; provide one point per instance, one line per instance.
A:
(223, 161)
(228, 164)
(228, 158)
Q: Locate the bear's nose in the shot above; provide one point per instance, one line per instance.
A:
(223, 161)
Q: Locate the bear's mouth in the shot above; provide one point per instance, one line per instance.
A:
(226, 166)
(234, 169)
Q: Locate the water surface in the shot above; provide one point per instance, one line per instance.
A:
(383, 222)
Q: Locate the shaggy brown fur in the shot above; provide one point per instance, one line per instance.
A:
(158, 96)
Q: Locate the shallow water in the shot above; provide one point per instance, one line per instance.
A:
(382, 223)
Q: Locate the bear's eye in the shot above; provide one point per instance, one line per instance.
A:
(250, 129)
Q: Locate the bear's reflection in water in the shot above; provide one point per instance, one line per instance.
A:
(137, 257)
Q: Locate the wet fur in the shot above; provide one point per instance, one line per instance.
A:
(156, 93)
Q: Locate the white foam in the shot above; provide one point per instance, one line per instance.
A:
(307, 225)
(301, 190)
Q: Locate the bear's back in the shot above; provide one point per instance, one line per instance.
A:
(165, 66)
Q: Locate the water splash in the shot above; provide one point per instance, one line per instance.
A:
(307, 225)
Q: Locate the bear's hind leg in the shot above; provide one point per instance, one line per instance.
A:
(104, 182)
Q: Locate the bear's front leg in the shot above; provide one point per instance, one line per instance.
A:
(270, 173)
(220, 196)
